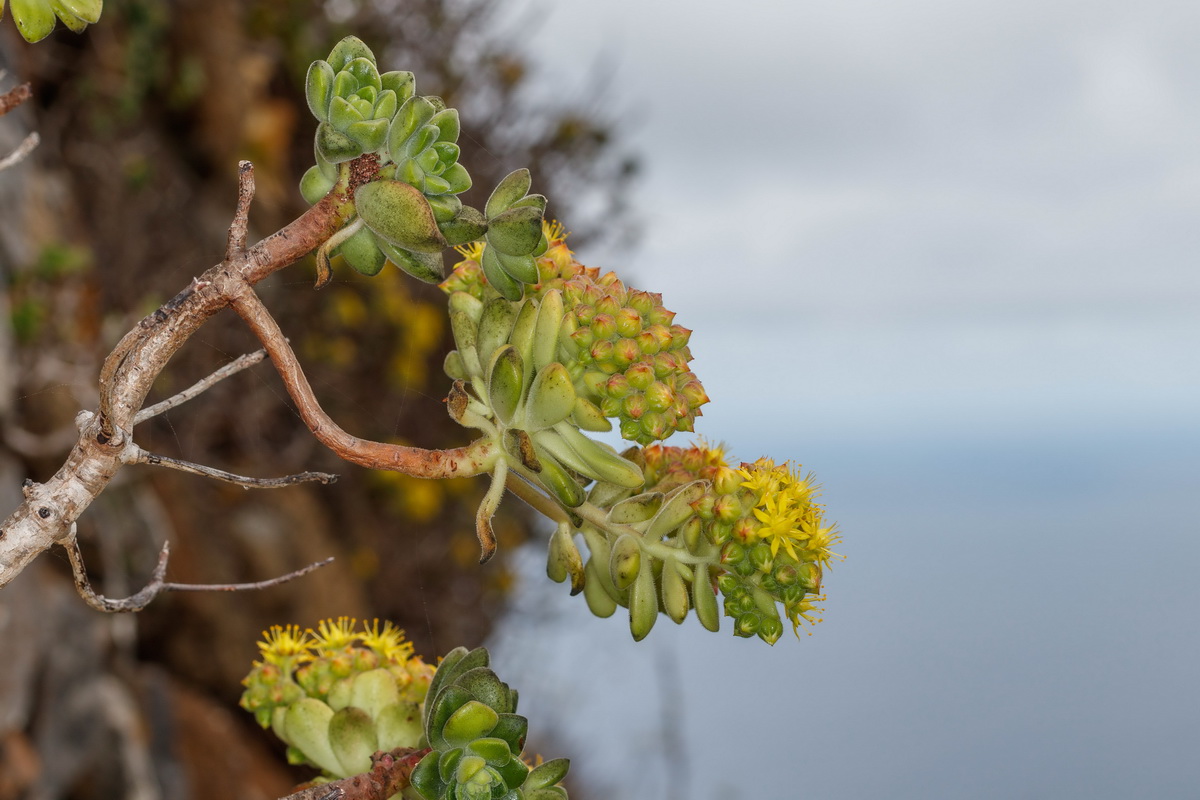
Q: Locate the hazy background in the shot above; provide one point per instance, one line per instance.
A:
(943, 254)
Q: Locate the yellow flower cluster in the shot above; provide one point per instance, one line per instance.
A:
(788, 517)
(287, 646)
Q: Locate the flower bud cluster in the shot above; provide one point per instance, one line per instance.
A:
(622, 350)
(667, 467)
(339, 694)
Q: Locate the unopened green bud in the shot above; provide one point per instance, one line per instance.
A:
(643, 603)
(770, 629)
(747, 624)
(625, 561)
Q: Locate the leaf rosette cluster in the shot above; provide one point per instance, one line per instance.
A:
(410, 210)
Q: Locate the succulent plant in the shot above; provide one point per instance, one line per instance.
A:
(339, 695)
(476, 738)
(411, 212)
(35, 19)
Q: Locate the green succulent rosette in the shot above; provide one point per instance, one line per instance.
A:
(412, 212)
(35, 19)
(353, 103)
(476, 738)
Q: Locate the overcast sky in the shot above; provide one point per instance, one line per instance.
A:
(997, 200)
(944, 253)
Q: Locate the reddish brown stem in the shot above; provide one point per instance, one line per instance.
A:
(473, 459)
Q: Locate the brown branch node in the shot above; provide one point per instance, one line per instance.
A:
(236, 244)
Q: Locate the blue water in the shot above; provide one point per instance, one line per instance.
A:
(1017, 617)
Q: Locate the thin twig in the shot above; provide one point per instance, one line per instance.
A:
(22, 152)
(236, 244)
(137, 455)
(157, 585)
(474, 459)
(232, 368)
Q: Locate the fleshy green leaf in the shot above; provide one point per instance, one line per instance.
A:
(457, 177)
(318, 89)
(512, 728)
(335, 146)
(547, 774)
(537, 201)
(501, 281)
(425, 136)
(344, 85)
(523, 268)
(34, 19)
(385, 105)
(369, 134)
(469, 722)
(517, 231)
(362, 252)
(551, 397)
(342, 113)
(506, 376)
(445, 208)
(427, 267)
(512, 188)
(364, 72)
(347, 50)
(495, 751)
(467, 226)
(73, 23)
(399, 214)
(435, 185)
(425, 778)
(399, 725)
(399, 82)
(314, 185)
(415, 112)
(87, 11)
(306, 723)
(448, 124)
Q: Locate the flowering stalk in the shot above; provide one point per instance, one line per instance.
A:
(666, 528)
